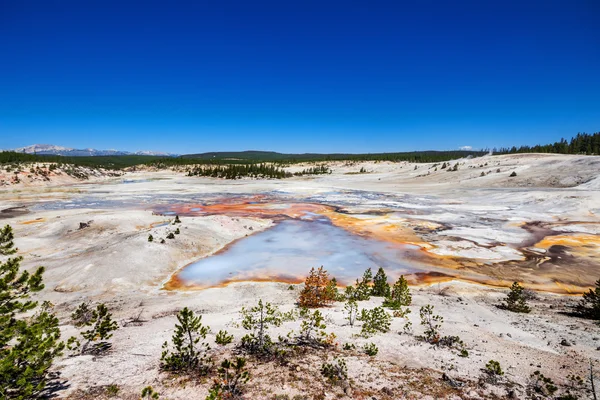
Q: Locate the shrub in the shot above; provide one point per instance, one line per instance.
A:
(493, 371)
(432, 324)
(515, 300)
(589, 305)
(381, 288)
(177, 220)
(170, 235)
(513, 174)
(231, 380)
(223, 338)
(336, 372)
(351, 311)
(112, 390)
(258, 319)
(317, 291)
(540, 384)
(149, 393)
(400, 295)
(401, 312)
(150, 238)
(189, 353)
(177, 231)
(375, 320)
(312, 329)
(370, 349)
(102, 326)
(349, 346)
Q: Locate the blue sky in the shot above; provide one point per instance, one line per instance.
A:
(297, 76)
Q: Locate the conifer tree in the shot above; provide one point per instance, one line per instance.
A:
(101, 327)
(589, 305)
(28, 346)
(400, 296)
(188, 352)
(317, 291)
(258, 319)
(515, 300)
(381, 287)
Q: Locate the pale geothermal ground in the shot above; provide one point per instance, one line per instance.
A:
(461, 238)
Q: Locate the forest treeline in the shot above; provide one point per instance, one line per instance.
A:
(232, 171)
(583, 143)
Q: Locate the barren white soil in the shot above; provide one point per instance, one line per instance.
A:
(473, 232)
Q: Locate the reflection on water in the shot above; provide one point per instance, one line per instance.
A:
(288, 250)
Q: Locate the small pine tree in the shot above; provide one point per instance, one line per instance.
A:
(381, 288)
(170, 236)
(375, 320)
(149, 394)
(177, 231)
(317, 291)
(258, 319)
(230, 383)
(150, 238)
(351, 311)
(177, 220)
(589, 305)
(515, 300)
(312, 329)
(28, 346)
(102, 326)
(400, 296)
(432, 324)
(223, 338)
(189, 353)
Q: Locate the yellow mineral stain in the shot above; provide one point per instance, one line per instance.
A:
(33, 221)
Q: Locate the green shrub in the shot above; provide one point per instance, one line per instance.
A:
(400, 295)
(432, 324)
(149, 393)
(370, 349)
(515, 300)
(375, 320)
(170, 235)
(112, 390)
(150, 238)
(101, 328)
(542, 385)
(589, 305)
(232, 376)
(223, 338)
(336, 372)
(188, 352)
(258, 319)
(351, 311)
(312, 329)
(349, 346)
(493, 371)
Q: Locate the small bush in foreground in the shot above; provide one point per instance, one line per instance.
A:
(230, 383)
(336, 372)
(102, 326)
(370, 349)
(149, 393)
(375, 320)
(223, 338)
(381, 288)
(258, 319)
(188, 352)
(493, 371)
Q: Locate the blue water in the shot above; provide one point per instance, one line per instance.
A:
(291, 248)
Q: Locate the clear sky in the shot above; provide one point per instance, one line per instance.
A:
(297, 76)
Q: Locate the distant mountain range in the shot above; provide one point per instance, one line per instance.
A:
(49, 149)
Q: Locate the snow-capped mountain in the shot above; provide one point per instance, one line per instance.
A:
(49, 149)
